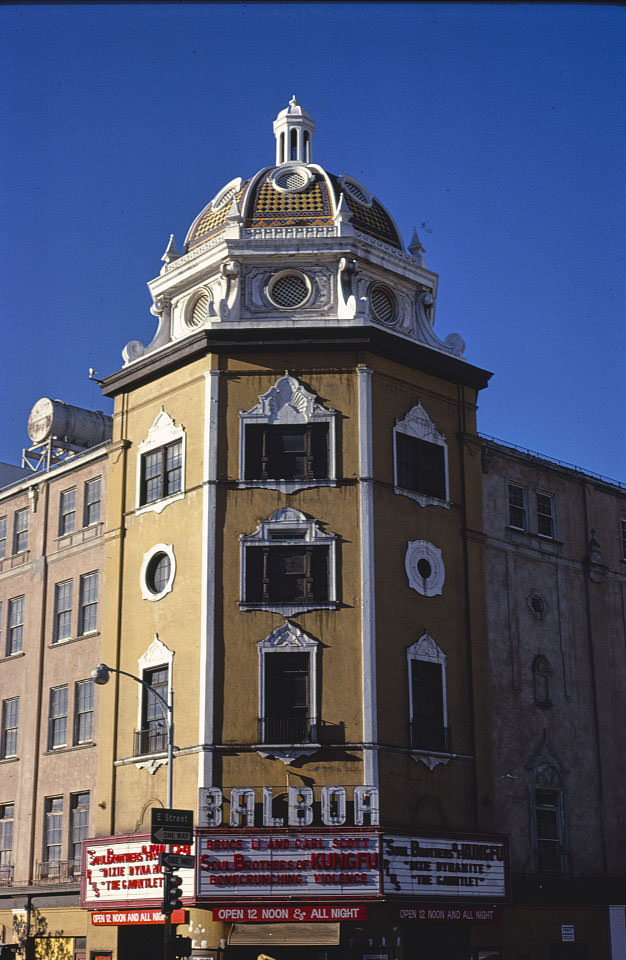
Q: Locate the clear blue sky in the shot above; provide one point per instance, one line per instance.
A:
(499, 131)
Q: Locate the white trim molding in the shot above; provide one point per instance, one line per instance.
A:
(144, 574)
(427, 649)
(424, 567)
(417, 424)
(162, 432)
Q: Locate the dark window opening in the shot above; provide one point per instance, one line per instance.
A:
(294, 144)
(427, 728)
(545, 516)
(286, 574)
(287, 711)
(517, 507)
(421, 466)
(152, 738)
(161, 472)
(307, 147)
(548, 817)
(286, 452)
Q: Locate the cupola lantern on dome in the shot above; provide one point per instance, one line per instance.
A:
(293, 129)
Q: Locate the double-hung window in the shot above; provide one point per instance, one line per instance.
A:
(545, 515)
(53, 834)
(20, 531)
(161, 472)
(57, 721)
(7, 815)
(92, 499)
(420, 459)
(88, 603)
(3, 537)
(517, 506)
(10, 723)
(79, 827)
(152, 738)
(67, 511)
(63, 593)
(83, 711)
(15, 626)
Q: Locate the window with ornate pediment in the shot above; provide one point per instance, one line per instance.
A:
(288, 565)
(420, 459)
(288, 687)
(287, 439)
(161, 468)
(428, 709)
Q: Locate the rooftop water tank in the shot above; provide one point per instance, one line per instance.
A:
(72, 425)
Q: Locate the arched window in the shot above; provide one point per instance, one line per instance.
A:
(293, 137)
(282, 148)
(307, 147)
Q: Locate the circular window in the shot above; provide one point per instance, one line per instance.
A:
(289, 289)
(157, 572)
(291, 180)
(200, 310)
(424, 567)
(383, 303)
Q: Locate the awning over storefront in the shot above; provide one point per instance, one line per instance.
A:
(285, 934)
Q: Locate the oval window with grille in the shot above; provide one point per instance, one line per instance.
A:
(199, 311)
(289, 289)
(356, 190)
(383, 304)
(292, 180)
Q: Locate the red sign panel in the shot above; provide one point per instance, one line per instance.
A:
(265, 913)
(442, 912)
(115, 918)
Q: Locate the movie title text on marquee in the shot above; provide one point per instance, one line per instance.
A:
(278, 865)
(427, 867)
(120, 873)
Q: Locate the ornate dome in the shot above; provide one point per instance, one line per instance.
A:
(295, 192)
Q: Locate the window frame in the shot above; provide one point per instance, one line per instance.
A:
(426, 650)
(288, 639)
(52, 814)
(157, 656)
(78, 831)
(417, 425)
(623, 529)
(20, 530)
(89, 502)
(58, 717)
(149, 558)
(6, 834)
(86, 604)
(286, 528)
(542, 515)
(512, 485)
(162, 435)
(286, 404)
(82, 710)
(3, 536)
(63, 615)
(67, 511)
(15, 629)
(10, 725)
(547, 779)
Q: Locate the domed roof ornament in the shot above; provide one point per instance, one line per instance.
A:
(293, 129)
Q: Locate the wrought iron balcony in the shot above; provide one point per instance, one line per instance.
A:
(287, 730)
(57, 871)
(151, 740)
(429, 736)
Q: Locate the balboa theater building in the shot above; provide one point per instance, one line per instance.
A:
(293, 551)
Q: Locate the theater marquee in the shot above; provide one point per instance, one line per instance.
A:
(422, 866)
(306, 864)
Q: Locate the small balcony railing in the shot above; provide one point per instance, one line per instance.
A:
(287, 730)
(430, 736)
(151, 740)
(6, 874)
(57, 871)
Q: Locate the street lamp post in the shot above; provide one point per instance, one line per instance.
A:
(101, 675)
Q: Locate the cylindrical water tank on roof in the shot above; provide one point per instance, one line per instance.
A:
(63, 422)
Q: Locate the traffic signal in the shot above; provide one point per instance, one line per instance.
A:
(172, 892)
(182, 947)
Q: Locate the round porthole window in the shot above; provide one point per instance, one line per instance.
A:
(199, 312)
(291, 178)
(383, 303)
(289, 289)
(157, 572)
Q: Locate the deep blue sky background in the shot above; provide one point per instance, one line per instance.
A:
(499, 131)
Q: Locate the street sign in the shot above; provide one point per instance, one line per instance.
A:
(172, 826)
(176, 860)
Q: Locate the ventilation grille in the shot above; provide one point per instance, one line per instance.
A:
(292, 180)
(383, 304)
(289, 290)
(200, 311)
(224, 199)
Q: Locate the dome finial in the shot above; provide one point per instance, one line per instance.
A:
(293, 129)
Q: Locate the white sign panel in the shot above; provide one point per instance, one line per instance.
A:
(125, 872)
(343, 863)
(434, 867)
